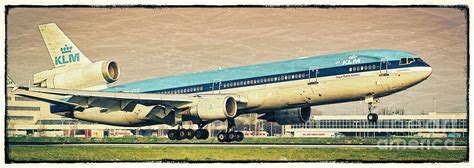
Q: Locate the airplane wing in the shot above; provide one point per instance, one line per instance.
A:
(81, 99)
(122, 108)
(84, 98)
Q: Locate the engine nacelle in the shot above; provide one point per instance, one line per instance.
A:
(93, 76)
(288, 116)
(214, 108)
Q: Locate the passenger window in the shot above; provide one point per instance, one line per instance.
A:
(350, 69)
(410, 60)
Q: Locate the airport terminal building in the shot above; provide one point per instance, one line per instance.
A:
(431, 125)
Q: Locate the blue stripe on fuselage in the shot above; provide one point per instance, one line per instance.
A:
(341, 70)
(328, 65)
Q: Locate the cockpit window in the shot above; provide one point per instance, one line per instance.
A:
(403, 61)
(406, 61)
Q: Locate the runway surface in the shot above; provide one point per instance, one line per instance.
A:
(254, 146)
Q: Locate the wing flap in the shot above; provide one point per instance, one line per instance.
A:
(85, 98)
(46, 98)
(114, 95)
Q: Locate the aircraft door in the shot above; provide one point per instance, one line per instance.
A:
(384, 79)
(216, 86)
(313, 75)
(384, 67)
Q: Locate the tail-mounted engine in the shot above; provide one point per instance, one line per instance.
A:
(92, 76)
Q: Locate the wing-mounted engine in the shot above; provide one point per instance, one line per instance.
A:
(93, 76)
(213, 108)
(288, 116)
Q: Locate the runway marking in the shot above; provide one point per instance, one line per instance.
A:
(255, 146)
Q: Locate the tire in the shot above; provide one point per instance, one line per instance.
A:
(189, 134)
(181, 134)
(172, 134)
(372, 117)
(231, 136)
(239, 136)
(199, 134)
(221, 137)
(206, 134)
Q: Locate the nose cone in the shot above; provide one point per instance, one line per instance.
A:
(428, 71)
(425, 71)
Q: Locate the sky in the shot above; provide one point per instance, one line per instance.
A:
(153, 42)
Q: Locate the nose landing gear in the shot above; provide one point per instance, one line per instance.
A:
(372, 117)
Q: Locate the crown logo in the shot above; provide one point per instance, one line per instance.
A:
(66, 49)
(353, 57)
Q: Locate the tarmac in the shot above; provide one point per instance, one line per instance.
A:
(230, 145)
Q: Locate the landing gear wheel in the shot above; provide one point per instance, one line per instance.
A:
(172, 134)
(239, 136)
(222, 137)
(199, 134)
(181, 134)
(206, 134)
(189, 134)
(372, 117)
(231, 136)
(202, 134)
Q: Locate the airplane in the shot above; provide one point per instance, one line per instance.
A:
(281, 92)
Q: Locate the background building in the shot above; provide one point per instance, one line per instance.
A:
(33, 118)
(433, 124)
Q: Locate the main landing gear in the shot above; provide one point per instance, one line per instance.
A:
(372, 117)
(230, 135)
(181, 133)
